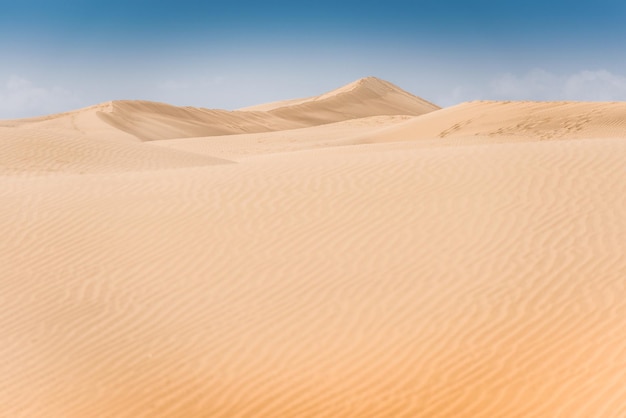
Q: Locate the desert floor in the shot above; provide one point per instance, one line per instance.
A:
(359, 253)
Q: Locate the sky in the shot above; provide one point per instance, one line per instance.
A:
(58, 56)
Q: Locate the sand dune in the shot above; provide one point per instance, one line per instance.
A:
(363, 98)
(237, 147)
(368, 96)
(37, 152)
(149, 120)
(466, 124)
(85, 123)
(383, 266)
(492, 121)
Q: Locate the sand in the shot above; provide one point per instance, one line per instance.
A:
(315, 257)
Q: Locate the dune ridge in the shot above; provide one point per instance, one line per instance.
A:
(380, 266)
(516, 121)
(151, 121)
(363, 98)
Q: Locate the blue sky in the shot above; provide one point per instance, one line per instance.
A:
(58, 56)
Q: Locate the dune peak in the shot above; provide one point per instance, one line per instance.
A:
(371, 84)
(376, 92)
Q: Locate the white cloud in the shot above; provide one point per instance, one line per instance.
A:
(457, 95)
(536, 84)
(20, 97)
(539, 84)
(596, 85)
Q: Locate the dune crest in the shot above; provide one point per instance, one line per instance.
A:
(497, 121)
(149, 121)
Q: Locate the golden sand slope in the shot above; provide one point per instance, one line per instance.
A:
(383, 279)
(36, 152)
(149, 120)
(488, 121)
(366, 97)
(237, 147)
(466, 124)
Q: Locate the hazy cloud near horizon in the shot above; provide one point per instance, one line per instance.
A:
(20, 97)
(539, 84)
(588, 85)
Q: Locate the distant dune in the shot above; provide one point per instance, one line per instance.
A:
(510, 121)
(361, 253)
(149, 120)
